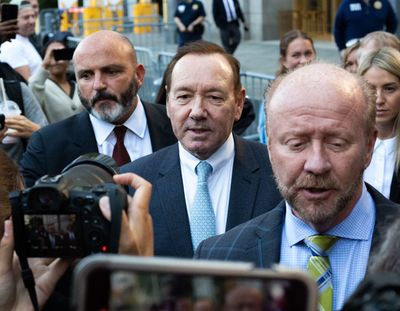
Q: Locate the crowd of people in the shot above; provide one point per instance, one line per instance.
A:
(318, 193)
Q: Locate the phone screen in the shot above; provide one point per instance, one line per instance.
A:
(145, 290)
(63, 54)
(9, 11)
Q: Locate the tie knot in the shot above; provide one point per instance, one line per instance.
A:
(119, 132)
(203, 170)
(320, 244)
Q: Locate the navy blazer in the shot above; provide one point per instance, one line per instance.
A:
(259, 240)
(219, 13)
(55, 146)
(253, 192)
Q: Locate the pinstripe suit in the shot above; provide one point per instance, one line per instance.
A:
(259, 240)
(253, 192)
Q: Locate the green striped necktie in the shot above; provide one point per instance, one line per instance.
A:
(320, 268)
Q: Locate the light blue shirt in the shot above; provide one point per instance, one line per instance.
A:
(348, 257)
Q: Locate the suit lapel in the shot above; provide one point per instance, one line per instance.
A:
(386, 213)
(395, 188)
(157, 126)
(82, 135)
(245, 182)
(169, 186)
(268, 247)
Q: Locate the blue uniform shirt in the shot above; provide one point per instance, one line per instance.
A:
(354, 19)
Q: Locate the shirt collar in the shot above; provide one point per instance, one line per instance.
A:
(389, 144)
(217, 159)
(358, 225)
(136, 122)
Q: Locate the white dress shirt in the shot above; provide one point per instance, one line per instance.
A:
(219, 182)
(379, 173)
(230, 10)
(137, 138)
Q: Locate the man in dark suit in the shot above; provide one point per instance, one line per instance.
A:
(227, 14)
(321, 129)
(204, 98)
(108, 79)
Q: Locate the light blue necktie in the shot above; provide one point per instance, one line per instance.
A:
(202, 223)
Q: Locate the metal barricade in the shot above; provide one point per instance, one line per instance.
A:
(255, 85)
(148, 90)
(163, 59)
(146, 31)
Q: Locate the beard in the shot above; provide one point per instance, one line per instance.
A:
(319, 212)
(110, 112)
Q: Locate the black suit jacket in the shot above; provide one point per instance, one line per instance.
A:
(55, 146)
(253, 192)
(259, 240)
(219, 13)
(395, 188)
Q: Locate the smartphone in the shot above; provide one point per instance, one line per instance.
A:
(2, 121)
(63, 54)
(117, 282)
(8, 12)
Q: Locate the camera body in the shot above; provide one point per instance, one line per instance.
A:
(60, 216)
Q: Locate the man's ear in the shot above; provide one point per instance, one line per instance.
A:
(140, 73)
(241, 97)
(370, 147)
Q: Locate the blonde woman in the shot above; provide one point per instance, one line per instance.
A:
(381, 69)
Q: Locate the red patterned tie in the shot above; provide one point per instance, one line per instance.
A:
(120, 154)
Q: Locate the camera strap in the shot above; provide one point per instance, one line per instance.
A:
(29, 281)
(117, 207)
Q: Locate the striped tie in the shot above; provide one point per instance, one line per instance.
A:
(320, 268)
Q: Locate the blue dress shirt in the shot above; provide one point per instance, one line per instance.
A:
(348, 257)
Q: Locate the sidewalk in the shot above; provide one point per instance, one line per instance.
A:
(262, 56)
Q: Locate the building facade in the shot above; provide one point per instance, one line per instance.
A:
(269, 19)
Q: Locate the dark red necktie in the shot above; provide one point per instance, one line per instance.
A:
(120, 154)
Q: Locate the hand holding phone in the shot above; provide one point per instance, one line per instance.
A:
(8, 24)
(9, 12)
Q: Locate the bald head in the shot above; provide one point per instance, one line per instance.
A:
(108, 76)
(105, 41)
(321, 135)
(314, 86)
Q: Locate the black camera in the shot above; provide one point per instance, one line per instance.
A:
(60, 216)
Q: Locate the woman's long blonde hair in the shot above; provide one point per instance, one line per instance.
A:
(387, 59)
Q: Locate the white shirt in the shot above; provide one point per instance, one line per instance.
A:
(230, 10)
(20, 52)
(379, 173)
(137, 138)
(219, 182)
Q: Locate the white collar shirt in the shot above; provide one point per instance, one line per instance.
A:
(230, 10)
(137, 138)
(379, 173)
(219, 182)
